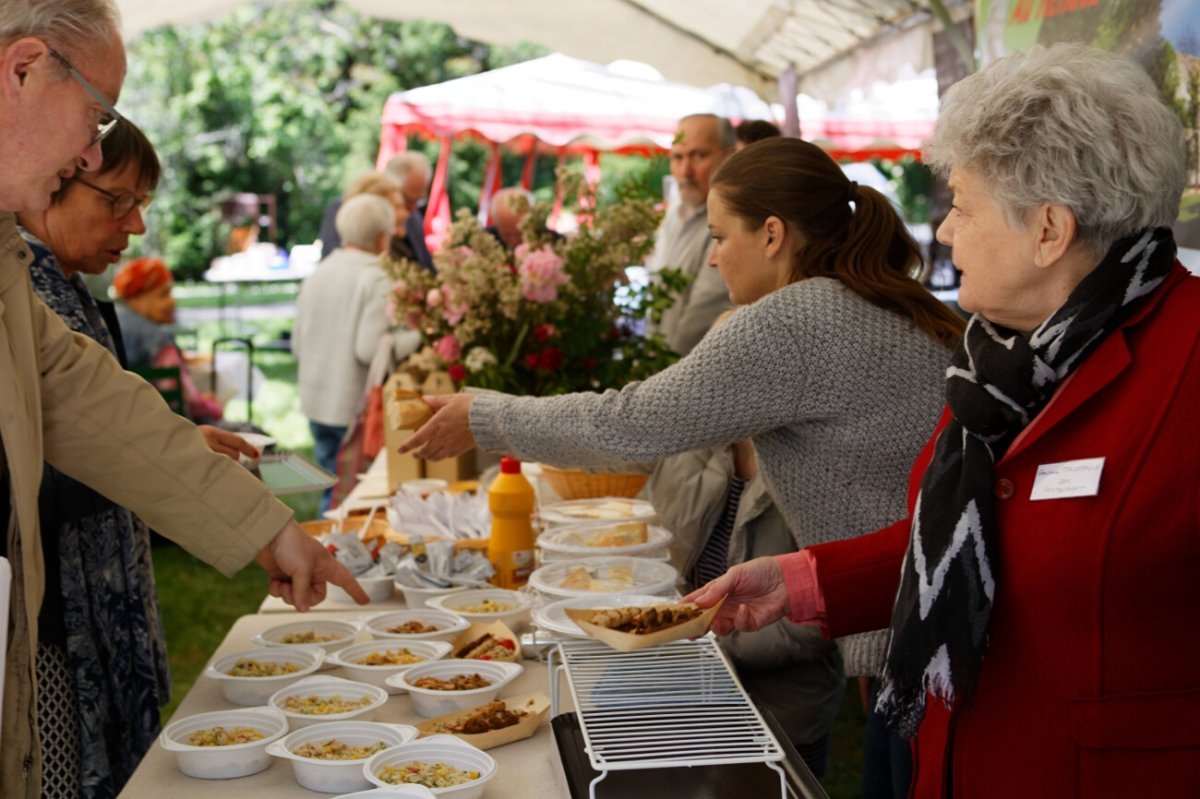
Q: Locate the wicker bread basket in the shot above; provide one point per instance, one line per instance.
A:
(578, 484)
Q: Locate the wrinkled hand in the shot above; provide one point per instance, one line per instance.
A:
(298, 569)
(223, 442)
(755, 596)
(448, 433)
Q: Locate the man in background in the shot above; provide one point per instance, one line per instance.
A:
(702, 142)
(509, 206)
(413, 172)
(753, 130)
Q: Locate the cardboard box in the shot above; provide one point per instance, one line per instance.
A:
(406, 467)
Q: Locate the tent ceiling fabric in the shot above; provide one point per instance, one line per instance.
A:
(565, 102)
(699, 42)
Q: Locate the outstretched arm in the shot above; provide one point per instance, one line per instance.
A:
(299, 569)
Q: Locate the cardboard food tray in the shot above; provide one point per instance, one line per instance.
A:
(536, 707)
(498, 629)
(631, 642)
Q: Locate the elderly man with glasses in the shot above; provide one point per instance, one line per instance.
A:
(65, 398)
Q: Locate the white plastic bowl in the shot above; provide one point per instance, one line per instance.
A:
(257, 690)
(224, 762)
(391, 792)
(344, 633)
(429, 703)
(332, 776)
(379, 589)
(449, 625)
(649, 577)
(419, 597)
(437, 749)
(377, 675)
(516, 619)
(326, 686)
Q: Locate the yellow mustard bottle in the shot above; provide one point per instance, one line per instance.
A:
(510, 547)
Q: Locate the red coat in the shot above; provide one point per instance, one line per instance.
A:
(1090, 686)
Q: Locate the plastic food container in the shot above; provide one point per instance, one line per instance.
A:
(324, 687)
(342, 632)
(378, 589)
(437, 749)
(417, 598)
(573, 542)
(607, 576)
(599, 511)
(429, 703)
(377, 675)
(516, 619)
(332, 776)
(224, 762)
(448, 625)
(257, 690)
(393, 792)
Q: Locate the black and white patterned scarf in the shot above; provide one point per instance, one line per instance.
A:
(996, 384)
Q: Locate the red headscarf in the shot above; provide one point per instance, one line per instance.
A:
(139, 276)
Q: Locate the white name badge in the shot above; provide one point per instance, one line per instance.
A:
(1068, 479)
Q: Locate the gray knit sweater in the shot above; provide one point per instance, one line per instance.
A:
(837, 394)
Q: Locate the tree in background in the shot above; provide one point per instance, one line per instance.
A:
(281, 99)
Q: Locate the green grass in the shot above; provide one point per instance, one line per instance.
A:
(198, 607)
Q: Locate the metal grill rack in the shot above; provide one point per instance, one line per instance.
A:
(676, 705)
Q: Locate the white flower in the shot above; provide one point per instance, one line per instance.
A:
(479, 358)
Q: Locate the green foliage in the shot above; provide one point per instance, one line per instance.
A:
(281, 99)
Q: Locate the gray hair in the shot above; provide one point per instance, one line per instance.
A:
(513, 198)
(401, 165)
(363, 218)
(726, 135)
(1068, 125)
(65, 23)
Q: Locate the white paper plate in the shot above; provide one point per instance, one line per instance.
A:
(648, 576)
(553, 619)
(568, 541)
(603, 510)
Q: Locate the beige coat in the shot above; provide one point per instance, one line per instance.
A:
(64, 399)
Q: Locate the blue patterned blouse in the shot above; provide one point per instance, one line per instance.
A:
(107, 608)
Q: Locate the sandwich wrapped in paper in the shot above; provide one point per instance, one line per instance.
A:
(631, 628)
(487, 641)
(494, 724)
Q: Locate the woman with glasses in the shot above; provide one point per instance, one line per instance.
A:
(101, 658)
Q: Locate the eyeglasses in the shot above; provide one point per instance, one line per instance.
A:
(109, 119)
(122, 203)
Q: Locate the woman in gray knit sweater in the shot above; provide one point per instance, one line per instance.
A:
(833, 367)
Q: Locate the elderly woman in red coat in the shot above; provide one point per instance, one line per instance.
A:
(1044, 594)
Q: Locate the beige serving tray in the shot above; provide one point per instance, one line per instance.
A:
(631, 642)
(536, 707)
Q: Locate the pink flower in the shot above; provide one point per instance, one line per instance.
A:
(391, 310)
(434, 298)
(541, 273)
(448, 348)
(452, 309)
(545, 332)
(458, 372)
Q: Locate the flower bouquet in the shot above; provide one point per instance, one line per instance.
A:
(556, 315)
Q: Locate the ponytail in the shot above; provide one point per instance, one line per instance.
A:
(851, 233)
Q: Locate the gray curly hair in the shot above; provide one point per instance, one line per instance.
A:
(1069, 125)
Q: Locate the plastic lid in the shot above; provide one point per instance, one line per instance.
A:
(510, 466)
